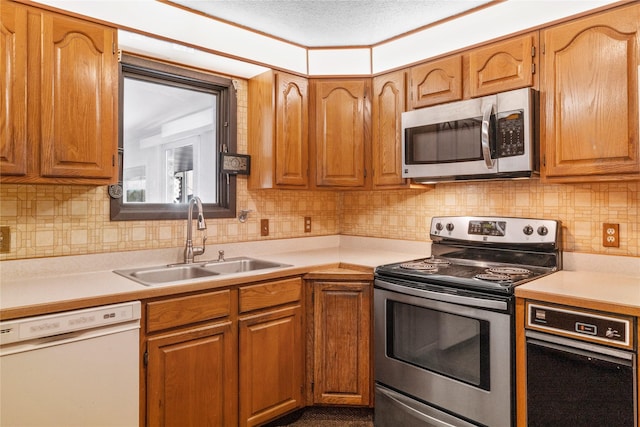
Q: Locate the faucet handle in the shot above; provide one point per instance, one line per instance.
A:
(220, 256)
(200, 250)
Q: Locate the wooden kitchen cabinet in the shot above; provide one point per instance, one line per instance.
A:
(60, 113)
(496, 67)
(13, 68)
(341, 366)
(503, 66)
(388, 104)
(340, 133)
(271, 356)
(191, 361)
(589, 99)
(436, 82)
(278, 131)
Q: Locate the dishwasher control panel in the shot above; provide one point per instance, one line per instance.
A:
(25, 329)
(603, 328)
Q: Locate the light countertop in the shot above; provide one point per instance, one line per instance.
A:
(43, 285)
(38, 286)
(599, 282)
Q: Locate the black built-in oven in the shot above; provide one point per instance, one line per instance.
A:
(581, 367)
(444, 325)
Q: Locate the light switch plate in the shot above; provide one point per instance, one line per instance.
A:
(5, 239)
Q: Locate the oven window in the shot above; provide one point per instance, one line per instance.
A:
(446, 343)
(455, 141)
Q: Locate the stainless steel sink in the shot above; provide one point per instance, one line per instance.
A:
(184, 273)
(240, 265)
(171, 274)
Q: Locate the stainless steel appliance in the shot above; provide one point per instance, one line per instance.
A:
(482, 138)
(77, 368)
(444, 326)
(580, 367)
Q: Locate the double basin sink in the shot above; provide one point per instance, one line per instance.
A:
(179, 273)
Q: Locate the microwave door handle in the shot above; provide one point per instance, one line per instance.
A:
(486, 149)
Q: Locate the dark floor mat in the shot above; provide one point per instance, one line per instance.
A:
(326, 417)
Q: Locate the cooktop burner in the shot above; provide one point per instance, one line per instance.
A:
(484, 254)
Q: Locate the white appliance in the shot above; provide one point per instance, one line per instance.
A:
(76, 368)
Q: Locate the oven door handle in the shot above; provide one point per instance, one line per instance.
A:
(583, 348)
(443, 296)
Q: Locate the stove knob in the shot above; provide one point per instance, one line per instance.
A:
(439, 226)
(450, 227)
(528, 230)
(543, 231)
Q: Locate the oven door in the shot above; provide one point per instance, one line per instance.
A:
(450, 351)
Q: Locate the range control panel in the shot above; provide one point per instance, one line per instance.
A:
(588, 326)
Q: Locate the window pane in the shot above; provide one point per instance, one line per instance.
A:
(170, 133)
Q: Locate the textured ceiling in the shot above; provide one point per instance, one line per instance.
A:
(330, 23)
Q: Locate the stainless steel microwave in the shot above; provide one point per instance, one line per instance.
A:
(493, 137)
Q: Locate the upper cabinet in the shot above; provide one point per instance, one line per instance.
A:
(13, 69)
(503, 66)
(278, 131)
(340, 132)
(387, 106)
(589, 99)
(61, 104)
(436, 82)
(497, 67)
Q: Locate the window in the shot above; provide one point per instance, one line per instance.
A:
(174, 123)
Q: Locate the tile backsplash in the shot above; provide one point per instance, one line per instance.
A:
(582, 208)
(56, 220)
(71, 220)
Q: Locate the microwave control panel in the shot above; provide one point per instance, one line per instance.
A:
(510, 134)
(581, 324)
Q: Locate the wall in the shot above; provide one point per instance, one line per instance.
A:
(406, 214)
(55, 220)
(71, 220)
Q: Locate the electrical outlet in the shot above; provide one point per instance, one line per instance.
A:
(5, 239)
(307, 224)
(610, 235)
(264, 227)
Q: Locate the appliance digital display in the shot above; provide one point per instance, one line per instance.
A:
(488, 228)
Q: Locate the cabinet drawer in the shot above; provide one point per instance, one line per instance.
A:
(185, 310)
(270, 294)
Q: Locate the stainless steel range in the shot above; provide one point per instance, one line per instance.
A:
(444, 326)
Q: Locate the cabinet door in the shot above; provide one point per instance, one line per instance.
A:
(271, 364)
(388, 104)
(13, 86)
(78, 98)
(342, 343)
(590, 98)
(278, 131)
(340, 138)
(503, 66)
(436, 82)
(192, 377)
(292, 130)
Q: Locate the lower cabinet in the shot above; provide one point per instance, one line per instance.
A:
(247, 355)
(271, 351)
(191, 377)
(191, 361)
(341, 365)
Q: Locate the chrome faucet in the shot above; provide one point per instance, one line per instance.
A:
(189, 250)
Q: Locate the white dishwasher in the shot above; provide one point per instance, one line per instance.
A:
(76, 368)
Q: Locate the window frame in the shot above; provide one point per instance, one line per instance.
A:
(157, 71)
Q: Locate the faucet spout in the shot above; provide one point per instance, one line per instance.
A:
(189, 251)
